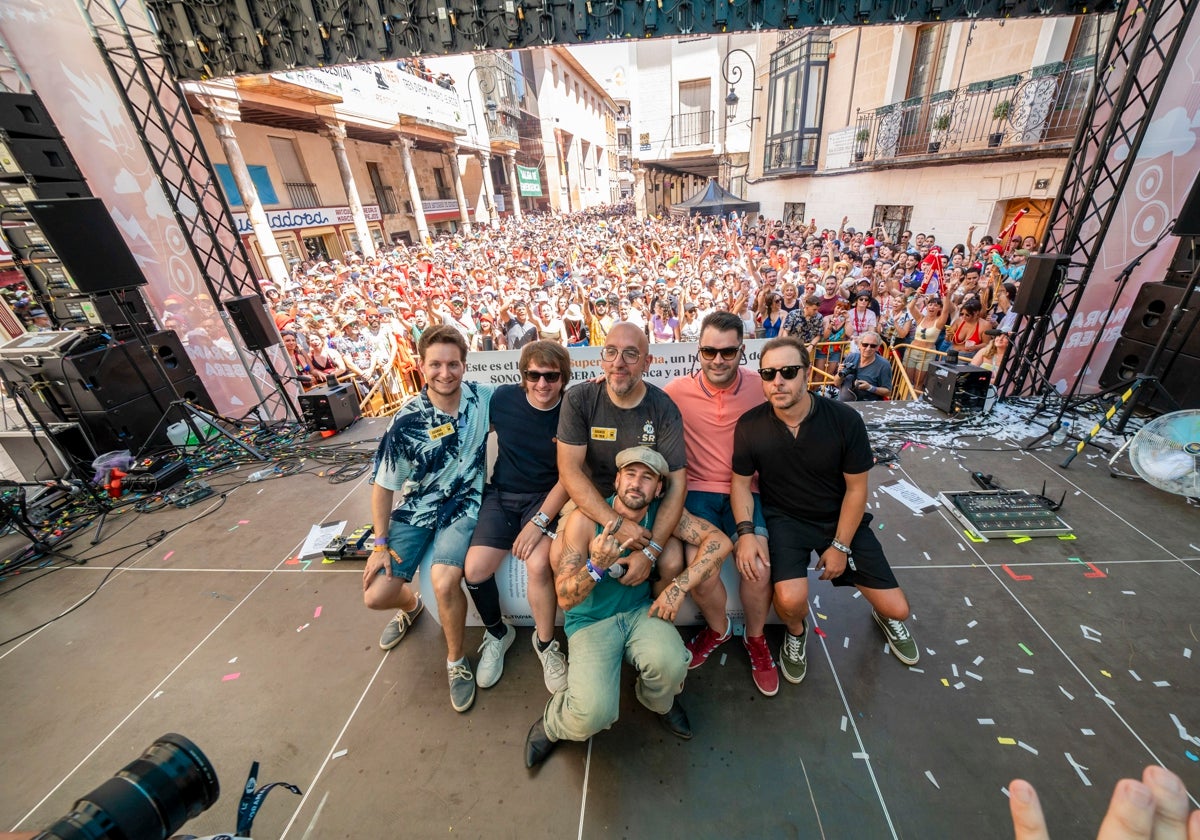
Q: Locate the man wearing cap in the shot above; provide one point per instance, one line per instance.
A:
(864, 375)
(608, 621)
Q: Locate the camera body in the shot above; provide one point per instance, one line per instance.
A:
(849, 373)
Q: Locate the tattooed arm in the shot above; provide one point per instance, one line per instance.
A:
(572, 581)
(713, 547)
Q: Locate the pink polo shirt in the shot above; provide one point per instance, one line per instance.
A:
(709, 417)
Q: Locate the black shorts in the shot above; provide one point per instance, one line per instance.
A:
(503, 515)
(792, 542)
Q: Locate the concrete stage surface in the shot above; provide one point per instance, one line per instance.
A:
(1070, 663)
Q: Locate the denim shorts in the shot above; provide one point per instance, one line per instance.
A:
(716, 509)
(445, 546)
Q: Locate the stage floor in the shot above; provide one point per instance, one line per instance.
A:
(1070, 663)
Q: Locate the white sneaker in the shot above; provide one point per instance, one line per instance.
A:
(491, 656)
(554, 665)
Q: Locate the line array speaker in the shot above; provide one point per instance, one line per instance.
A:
(1039, 286)
(1188, 221)
(1152, 311)
(84, 236)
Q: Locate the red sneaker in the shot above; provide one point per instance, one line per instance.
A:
(705, 642)
(762, 666)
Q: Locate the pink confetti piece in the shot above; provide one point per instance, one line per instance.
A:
(243, 521)
(294, 561)
(820, 632)
(167, 556)
(317, 612)
(229, 677)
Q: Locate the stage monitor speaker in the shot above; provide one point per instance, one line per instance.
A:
(955, 388)
(116, 312)
(1129, 358)
(254, 324)
(329, 409)
(43, 158)
(84, 236)
(24, 115)
(1152, 311)
(1188, 221)
(121, 371)
(62, 189)
(1039, 286)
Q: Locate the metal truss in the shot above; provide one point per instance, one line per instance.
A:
(1141, 51)
(167, 130)
(216, 38)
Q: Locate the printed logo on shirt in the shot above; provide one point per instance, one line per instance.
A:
(648, 436)
(441, 431)
(599, 433)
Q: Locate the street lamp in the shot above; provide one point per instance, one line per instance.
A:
(733, 75)
(486, 81)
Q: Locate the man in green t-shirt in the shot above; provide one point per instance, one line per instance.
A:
(608, 620)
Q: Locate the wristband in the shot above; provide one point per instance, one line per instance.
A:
(541, 520)
(745, 528)
(596, 573)
(620, 522)
(842, 547)
(381, 541)
(658, 548)
(650, 555)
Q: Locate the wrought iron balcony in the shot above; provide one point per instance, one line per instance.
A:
(1040, 106)
(386, 197)
(692, 129)
(302, 194)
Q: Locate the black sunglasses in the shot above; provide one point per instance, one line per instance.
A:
(550, 376)
(727, 353)
(789, 372)
(864, 344)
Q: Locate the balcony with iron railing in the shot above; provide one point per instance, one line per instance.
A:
(694, 128)
(1040, 107)
(302, 194)
(387, 200)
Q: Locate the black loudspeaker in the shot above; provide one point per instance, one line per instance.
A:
(117, 312)
(329, 409)
(1039, 285)
(1129, 358)
(955, 388)
(62, 189)
(44, 157)
(254, 324)
(1188, 222)
(23, 115)
(87, 242)
(1152, 311)
(130, 424)
(119, 372)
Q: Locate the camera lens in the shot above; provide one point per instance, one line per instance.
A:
(148, 799)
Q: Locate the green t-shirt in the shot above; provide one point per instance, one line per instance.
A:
(610, 596)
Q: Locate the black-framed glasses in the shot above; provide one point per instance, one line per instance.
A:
(631, 355)
(789, 372)
(726, 353)
(550, 376)
(871, 346)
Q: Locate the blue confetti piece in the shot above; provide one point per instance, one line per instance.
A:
(1191, 755)
(880, 526)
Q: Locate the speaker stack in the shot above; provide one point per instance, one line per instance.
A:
(1142, 330)
(329, 409)
(955, 388)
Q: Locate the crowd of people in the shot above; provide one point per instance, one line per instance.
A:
(570, 279)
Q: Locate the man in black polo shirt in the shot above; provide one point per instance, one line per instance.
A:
(812, 456)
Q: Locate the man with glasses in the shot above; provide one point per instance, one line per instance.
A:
(864, 375)
(711, 402)
(519, 504)
(811, 456)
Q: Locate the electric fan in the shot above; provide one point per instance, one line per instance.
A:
(1166, 452)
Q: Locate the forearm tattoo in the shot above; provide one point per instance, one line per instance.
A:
(572, 581)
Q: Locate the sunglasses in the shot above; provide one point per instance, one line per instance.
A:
(864, 344)
(726, 353)
(550, 376)
(790, 372)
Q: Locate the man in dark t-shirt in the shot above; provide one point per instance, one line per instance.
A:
(812, 456)
(864, 376)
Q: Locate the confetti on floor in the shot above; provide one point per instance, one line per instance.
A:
(1022, 646)
(723, 658)
(973, 675)
(846, 642)
(157, 694)
(899, 537)
(229, 677)
(1187, 653)
(967, 601)
(1191, 755)
(954, 670)
(927, 557)
(1106, 673)
(931, 651)
(971, 624)
(917, 670)
(231, 661)
(976, 661)
(845, 720)
(1128, 592)
(167, 556)
(1026, 747)
(933, 781)
(1087, 732)
(1079, 769)
(1161, 684)
(317, 612)
(1134, 674)
(1008, 742)
(1066, 693)
(961, 641)
(302, 628)
(339, 753)
(1024, 671)
(986, 722)
(864, 756)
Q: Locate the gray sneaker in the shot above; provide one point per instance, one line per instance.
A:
(462, 686)
(903, 645)
(554, 665)
(491, 656)
(793, 656)
(398, 626)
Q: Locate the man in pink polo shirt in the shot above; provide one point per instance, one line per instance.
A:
(711, 402)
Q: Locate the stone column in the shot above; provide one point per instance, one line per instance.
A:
(414, 191)
(456, 172)
(223, 114)
(336, 134)
(489, 189)
(510, 161)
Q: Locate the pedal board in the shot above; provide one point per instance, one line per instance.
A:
(353, 547)
(1004, 513)
(157, 477)
(191, 495)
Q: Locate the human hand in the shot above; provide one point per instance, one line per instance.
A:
(637, 568)
(605, 548)
(1156, 807)
(666, 605)
(862, 385)
(529, 537)
(832, 563)
(634, 534)
(752, 563)
(377, 560)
